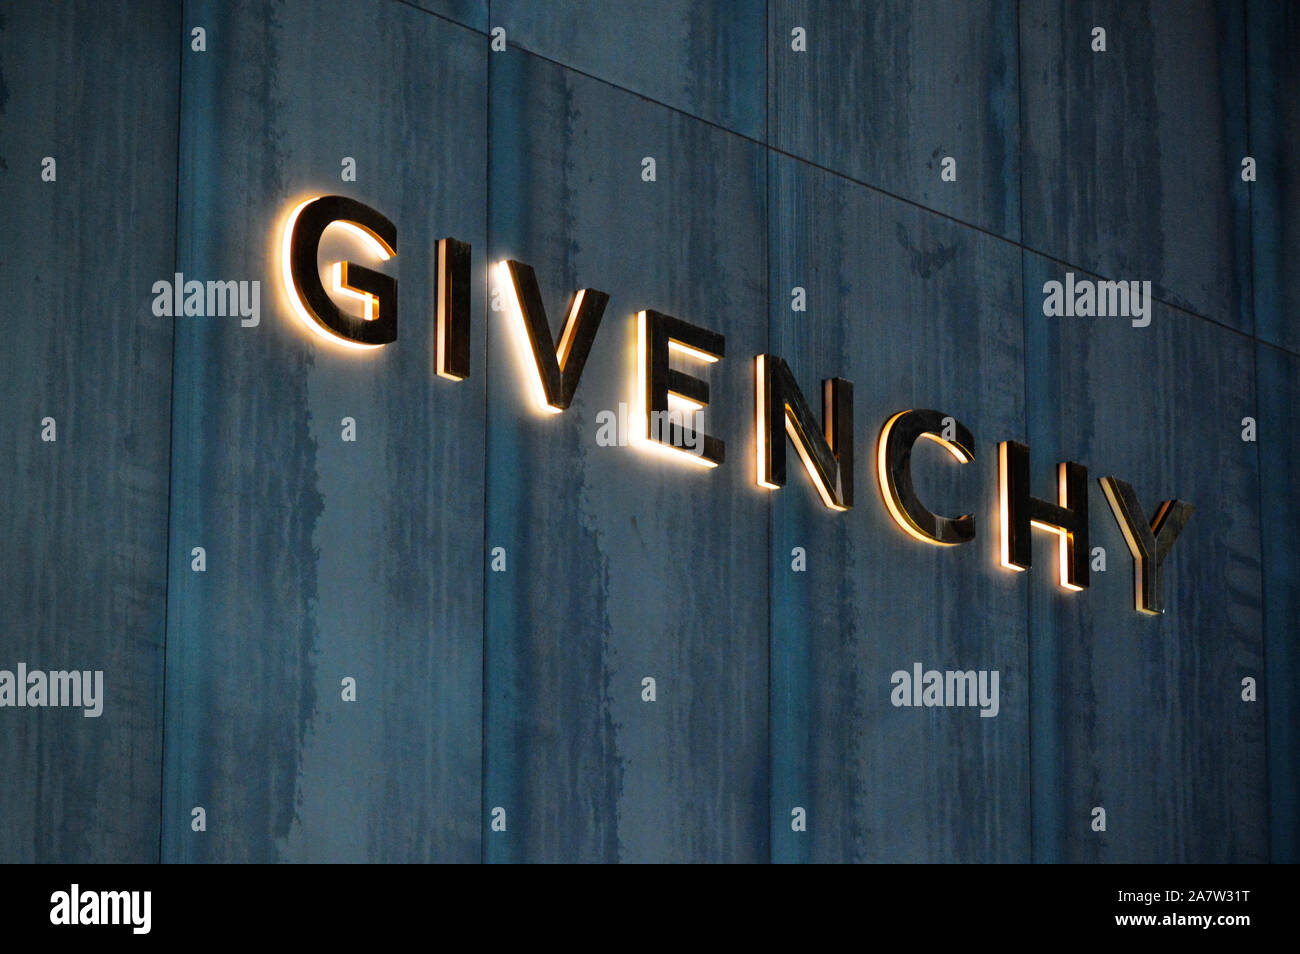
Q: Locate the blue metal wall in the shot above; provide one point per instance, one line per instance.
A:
(84, 517)
(518, 694)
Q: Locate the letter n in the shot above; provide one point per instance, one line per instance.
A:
(827, 452)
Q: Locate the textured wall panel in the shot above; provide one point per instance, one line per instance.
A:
(1132, 156)
(621, 565)
(1273, 41)
(84, 519)
(1143, 715)
(326, 559)
(1279, 396)
(918, 312)
(885, 91)
(521, 690)
(471, 13)
(705, 58)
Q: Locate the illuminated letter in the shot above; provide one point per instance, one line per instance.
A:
(376, 292)
(827, 456)
(452, 351)
(894, 471)
(1020, 512)
(553, 371)
(656, 381)
(1148, 544)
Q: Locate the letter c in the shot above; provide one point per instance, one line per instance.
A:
(894, 470)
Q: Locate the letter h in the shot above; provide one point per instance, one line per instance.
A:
(1021, 512)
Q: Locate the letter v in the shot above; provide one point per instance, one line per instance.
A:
(553, 370)
(1148, 544)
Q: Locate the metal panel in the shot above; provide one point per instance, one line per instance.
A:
(885, 91)
(918, 312)
(326, 558)
(705, 57)
(620, 565)
(1274, 38)
(471, 13)
(523, 689)
(1143, 715)
(84, 518)
(1132, 156)
(1279, 396)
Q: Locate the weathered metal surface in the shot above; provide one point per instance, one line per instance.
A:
(326, 559)
(918, 312)
(1143, 715)
(621, 565)
(84, 517)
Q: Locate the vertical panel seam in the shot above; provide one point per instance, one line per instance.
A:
(171, 435)
(767, 323)
(1259, 455)
(483, 637)
(1024, 374)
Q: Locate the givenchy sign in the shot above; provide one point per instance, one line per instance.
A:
(664, 392)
